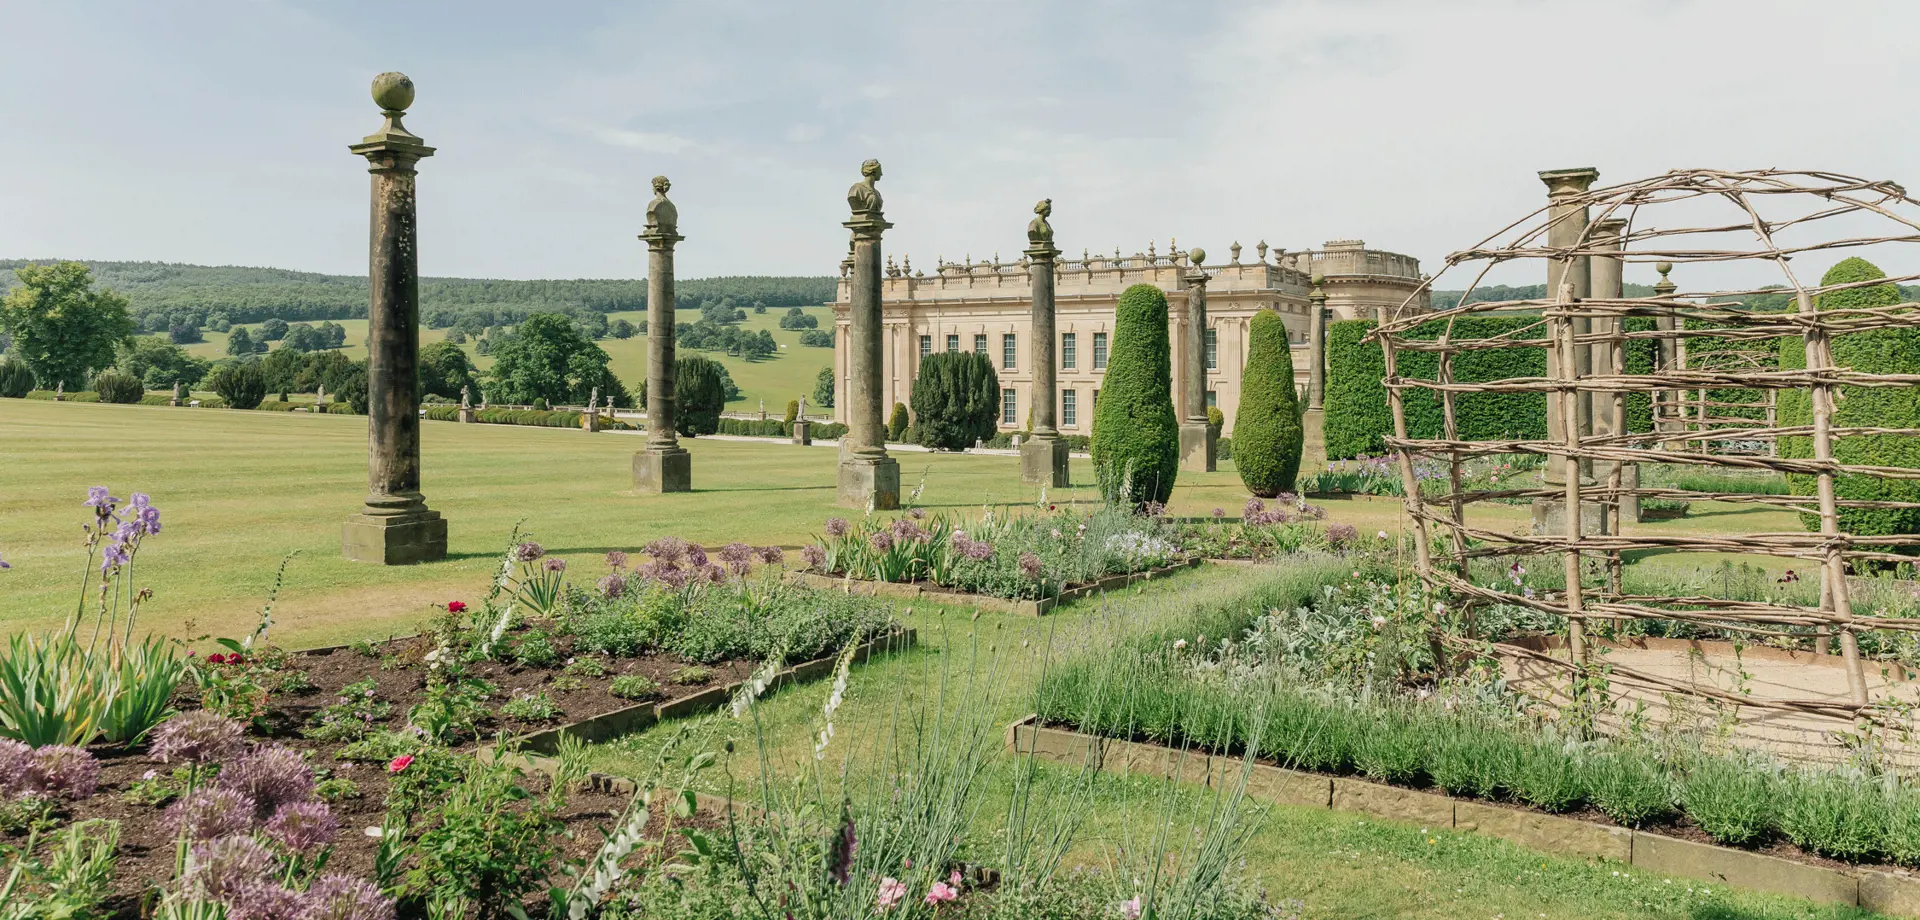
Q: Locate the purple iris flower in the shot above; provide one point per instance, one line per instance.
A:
(100, 497)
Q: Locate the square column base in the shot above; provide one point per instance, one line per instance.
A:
(399, 539)
(867, 483)
(1196, 447)
(1550, 517)
(1313, 450)
(803, 434)
(659, 471)
(467, 416)
(1044, 460)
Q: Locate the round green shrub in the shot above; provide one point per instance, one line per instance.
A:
(699, 394)
(1136, 438)
(1881, 351)
(897, 423)
(16, 379)
(956, 399)
(115, 387)
(1266, 428)
(242, 385)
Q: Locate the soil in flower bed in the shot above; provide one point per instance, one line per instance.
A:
(1678, 827)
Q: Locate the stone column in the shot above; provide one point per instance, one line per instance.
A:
(868, 477)
(663, 466)
(1196, 436)
(1313, 422)
(1666, 403)
(395, 527)
(1043, 458)
(1608, 284)
(1567, 230)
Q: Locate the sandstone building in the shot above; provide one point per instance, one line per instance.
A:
(986, 306)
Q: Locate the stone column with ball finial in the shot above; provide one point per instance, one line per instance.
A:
(663, 466)
(1666, 403)
(1567, 232)
(1043, 457)
(1196, 436)
(1313, 422)
(869, 478)
(395, 527)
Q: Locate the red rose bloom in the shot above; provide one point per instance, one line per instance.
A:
(216, 658)
(400, 763)
(457, 607)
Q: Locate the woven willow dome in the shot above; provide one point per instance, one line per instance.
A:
(1612, 359)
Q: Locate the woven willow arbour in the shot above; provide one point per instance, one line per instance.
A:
(1767, 222)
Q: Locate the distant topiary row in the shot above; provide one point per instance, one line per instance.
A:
(1358, 415)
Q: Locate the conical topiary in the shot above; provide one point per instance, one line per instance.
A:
(1136, 438)
(1267, 436)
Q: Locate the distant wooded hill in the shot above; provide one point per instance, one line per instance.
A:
(1446, 300)
(251, 295)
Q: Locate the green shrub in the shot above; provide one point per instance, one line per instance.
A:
(1629, 787)
(1880, 351)
(632, 687)
(1357, 413)
(1732, 800)
(241, 384)
(691, 675)
(16, 379)
(115, 387)
(1391, 748)
(1550, 777)
(956, 400)
(897, 423)
(793, 411)
(1359, 416)
(699, 395)
(1267, 424)
(1136, 439)
(1834, 815)
(1474, 759)
(1903, 826)
(536, 706)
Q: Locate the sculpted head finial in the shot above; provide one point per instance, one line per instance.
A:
(870, 169)
(661, 185)
(1044, 208)
(1039, 232)
(863, 198)
(662, 216)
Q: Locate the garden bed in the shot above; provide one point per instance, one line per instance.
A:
(942, 594)
(1674, 850)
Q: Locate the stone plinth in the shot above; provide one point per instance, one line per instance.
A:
(1196, 447)
(659, 470)
(1550, 517)
(467, 415)
(803, 434)
(1044, 461)
(1630, 504)
(868, 482)
(410, 534)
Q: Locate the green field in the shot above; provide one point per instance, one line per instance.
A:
(786, 375)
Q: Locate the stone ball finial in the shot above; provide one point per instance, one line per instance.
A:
(393, 91)
(1196, 255)
(1317, 279)
(1663, 268)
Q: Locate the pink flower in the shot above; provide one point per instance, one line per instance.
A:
(400, 763)
(891, 891)
(941, 891)
(1130, 908)
(456, 606)
(954, 879)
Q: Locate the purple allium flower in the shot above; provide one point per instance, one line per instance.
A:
(340, 897)
(1155, 509)
(1342, 535)
(612, 586)
(712, 573)
(813, 556)
(738, 557)
(264, 899)
(199, 736)
(61, 770)
(302, 826)
(1219, 513)
(221, 870)
(917, 514)
(555, 564)
(208, 813)
(837, 527)
(616, 560)
(14, 760)
(696, 555)
(529, 551)
(979, 550)
(1030, 565)
(669, 550)
(773, 555)
(881, 540)
(270, 776)
(1253, 508)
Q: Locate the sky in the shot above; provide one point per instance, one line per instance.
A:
(215, 131)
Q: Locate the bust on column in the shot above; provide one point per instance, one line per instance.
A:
(663, 466)
(868, 478)
(1196, 436)
(1043, 457)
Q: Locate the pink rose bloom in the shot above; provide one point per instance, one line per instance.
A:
(891, 891)
(941, 891)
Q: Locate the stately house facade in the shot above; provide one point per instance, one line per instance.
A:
(987, 306)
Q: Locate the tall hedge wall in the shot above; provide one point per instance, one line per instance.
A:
(1358, 415)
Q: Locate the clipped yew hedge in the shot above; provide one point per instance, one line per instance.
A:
(1267, 424)
(1136, 438)
(1358, 416)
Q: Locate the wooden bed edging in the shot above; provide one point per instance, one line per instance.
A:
(635, 718)
(1025, 608)
(1884, 892)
